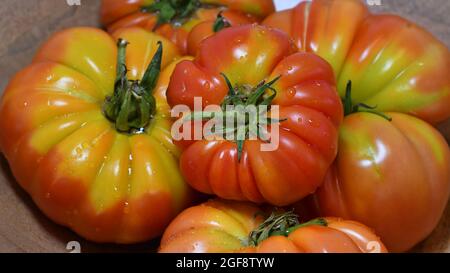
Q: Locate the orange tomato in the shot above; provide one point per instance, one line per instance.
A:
(205, 29)
(392, 63)
(393, 176)
(81, 171)
(117, 14)
(226, 226)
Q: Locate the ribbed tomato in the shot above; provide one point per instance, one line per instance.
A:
(230, 226)
(393, 176)
(88, 137)
(393, 64)
(253, 59)
(176, 19)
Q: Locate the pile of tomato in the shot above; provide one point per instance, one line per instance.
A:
(87, 127)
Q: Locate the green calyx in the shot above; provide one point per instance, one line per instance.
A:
(246, 95)
(280, 224)
(172, 11)
(238, 98)
(220, 23)
(132, 105)
(350, 108)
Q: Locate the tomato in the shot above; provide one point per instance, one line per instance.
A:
(176, 20)
(393, 176)
(112, 179)
(252, 57)
(230, 226)
(392, 63)
(207, 28)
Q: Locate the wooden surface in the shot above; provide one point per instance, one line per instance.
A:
(26, 23)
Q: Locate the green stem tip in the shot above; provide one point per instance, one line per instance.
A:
(132, 105)
(220, 23)
(172, 11)
(350, 108)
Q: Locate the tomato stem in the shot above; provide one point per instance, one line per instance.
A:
(132, 105)
(314, 222)
(350, 108)
(242, 96)
(280, 224)
(220, 23)
(172, 11)
(121, 55)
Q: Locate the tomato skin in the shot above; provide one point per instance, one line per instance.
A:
(219, 226)
(307, 99)
(391, 62)
(117, 14)
(392, 176)
(63, 151)
(203, 30)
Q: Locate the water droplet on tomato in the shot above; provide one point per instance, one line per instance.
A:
(313, 123)
(78, 151)
(291, 92)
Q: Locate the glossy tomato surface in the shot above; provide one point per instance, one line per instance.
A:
(308, 102)
(392, 63)
(219, 226)
(393, 176)
(82, 173)
(116, 14)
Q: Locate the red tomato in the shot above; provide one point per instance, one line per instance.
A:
(249, 56)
